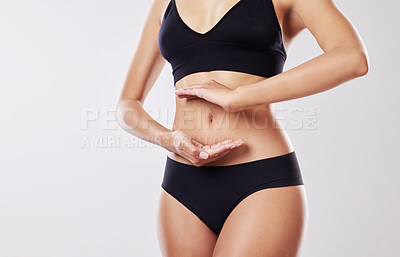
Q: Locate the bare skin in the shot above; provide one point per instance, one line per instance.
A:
(225, 117)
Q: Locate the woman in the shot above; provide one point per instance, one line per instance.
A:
(232, 184)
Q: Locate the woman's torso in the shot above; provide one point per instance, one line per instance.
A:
(264, 135)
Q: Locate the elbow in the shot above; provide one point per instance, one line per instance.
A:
(120, 114)
(125, 113)
(360, 62)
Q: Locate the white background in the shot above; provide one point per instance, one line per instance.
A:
(62, 195)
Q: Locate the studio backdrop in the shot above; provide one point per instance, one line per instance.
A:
(74, 184)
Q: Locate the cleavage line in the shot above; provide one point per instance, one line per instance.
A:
(215, 26)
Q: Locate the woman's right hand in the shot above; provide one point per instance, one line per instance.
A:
(197, 153)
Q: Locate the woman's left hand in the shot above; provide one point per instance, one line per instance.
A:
(211, 91)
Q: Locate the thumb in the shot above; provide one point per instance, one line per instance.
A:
(203, 155)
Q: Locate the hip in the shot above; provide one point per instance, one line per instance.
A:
(277, 171)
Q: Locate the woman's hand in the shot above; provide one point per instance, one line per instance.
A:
(197, 153)
(211, 91)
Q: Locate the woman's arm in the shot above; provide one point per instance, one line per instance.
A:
(344, 58)
(143, 72)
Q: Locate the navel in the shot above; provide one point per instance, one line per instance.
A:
(210, 117)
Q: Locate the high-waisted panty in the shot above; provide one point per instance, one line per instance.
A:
(212, 192)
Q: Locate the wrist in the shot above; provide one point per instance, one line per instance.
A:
(165, 140)
(237, 100)
(247, 96)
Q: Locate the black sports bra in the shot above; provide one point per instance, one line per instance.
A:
(248, 38)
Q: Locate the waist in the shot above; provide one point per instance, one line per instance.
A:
(263, 135)
(208, 122)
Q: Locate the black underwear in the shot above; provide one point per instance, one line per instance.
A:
(212, 192)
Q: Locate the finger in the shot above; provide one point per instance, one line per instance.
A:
(217, 150)
(194, 150)
(225, 146)
(223, 151)
(193, 91)
(189, 157)
(237, 143)
(218, 146)
(220, 155)
(184, 93)
(197, 143)
(222, 142)
(187, 96)
(194, 86)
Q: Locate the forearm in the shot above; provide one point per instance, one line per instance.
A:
(135, 120)
(319, 74)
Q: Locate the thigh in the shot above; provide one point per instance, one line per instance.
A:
(268, 223)
(180, 232)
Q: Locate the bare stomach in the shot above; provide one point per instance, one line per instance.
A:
(263, 135)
